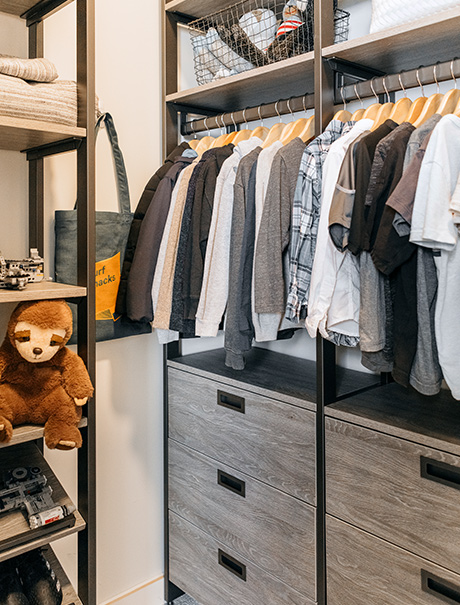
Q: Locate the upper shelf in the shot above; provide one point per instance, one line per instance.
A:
(197, 8)
(42, 291)
(20, 134)
(408, 46)
(284, 79)
(19, 7)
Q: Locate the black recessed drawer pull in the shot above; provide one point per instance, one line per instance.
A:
(440, 472)
(440, 588)
(232, 565)
(231, 483)
(230, 401)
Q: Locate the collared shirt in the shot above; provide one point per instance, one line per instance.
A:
(305, 217)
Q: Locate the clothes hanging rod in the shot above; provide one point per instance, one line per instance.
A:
(250, 114)
(423, 75)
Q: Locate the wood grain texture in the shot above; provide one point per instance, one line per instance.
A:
(69, 596)
(271, 441)
(374, 482)
(193, 560)
(273, 530)
(41, 291)
(392, 409)
(364, 570)
(15, 522)
(30, 432)
(422, 42)
(16, 7)
(20, 134)
(253, 87)
(271, 374)
(197, 8)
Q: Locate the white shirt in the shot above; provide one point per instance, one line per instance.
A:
(214, 290)
(433, 227)
(333, 304)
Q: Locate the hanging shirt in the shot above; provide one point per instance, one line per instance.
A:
(433, 227)
(305, 218)
(333, 304)
(214, 291)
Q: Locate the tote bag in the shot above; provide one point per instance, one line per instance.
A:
(112, 230)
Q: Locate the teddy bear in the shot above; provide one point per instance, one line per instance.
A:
(41, 380)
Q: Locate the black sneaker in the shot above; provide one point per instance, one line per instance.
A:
(39, 582)
(11, 592)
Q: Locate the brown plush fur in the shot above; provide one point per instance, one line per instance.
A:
(43, 393)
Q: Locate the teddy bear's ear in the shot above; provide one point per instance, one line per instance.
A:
(302, 5)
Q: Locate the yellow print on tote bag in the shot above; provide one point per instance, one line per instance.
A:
(107, 282)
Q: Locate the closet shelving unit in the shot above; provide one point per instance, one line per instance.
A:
(343, 404)
(38, 140)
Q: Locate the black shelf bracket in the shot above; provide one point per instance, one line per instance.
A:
(346, 72)
(43, 9)
(37, 153)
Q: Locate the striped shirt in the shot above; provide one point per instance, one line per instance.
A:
(305, 218)
(289, 25)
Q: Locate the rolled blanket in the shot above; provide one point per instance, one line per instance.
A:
(35, 70)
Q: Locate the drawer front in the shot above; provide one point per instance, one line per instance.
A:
(403, 492)
(365, 570)
(267, 439)
(213, 574)
(266, 526)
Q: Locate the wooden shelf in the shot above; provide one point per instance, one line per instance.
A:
(394, 410)
(267, 372)
(69, 596)
(281, 80)
(42, 291)
(14, 524)
(197, 8)
(20, 134)
(19, 7)
(30, 432)
(422, 42)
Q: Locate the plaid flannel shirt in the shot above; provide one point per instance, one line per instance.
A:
(305, 218)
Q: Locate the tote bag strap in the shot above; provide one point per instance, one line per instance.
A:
(118, 163)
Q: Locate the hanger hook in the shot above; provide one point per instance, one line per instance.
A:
(401, 84)
(344, 102)
(386, 89)
(244, 116)
(289, 108)
(304, 103)
(418, 80)
(452, 71)
(192, 126)
(206, 125)
(223, 123)
(277, 111)
(260, 117)
(233, 120)
(357, 94)
(435, 76)
(373, 89)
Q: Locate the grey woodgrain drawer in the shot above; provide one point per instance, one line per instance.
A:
(403, 492)
(213, 574)
(267, 439)
(267, 526)
(365, 570)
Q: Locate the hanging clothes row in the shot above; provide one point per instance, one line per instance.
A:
(268, 231)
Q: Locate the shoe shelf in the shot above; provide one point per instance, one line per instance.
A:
(69, 596)
(41, 291)
(16, 537)
(251, 88)
(422, 42)
(31, 432)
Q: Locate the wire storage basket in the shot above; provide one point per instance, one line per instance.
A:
(253, 33)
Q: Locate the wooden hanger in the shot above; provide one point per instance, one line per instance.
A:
(204, 144)
(400, 110)
(357, 115)
(231, 137)
(261, 132)
(293, 130)
(382, 114)
(194, 143)
(429, 109)
(372, 111)
(274, 134)
(343, 115)
(242, 135)
(416, 109)
(449, 102)
(309, 130)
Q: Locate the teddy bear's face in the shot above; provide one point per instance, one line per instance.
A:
(37, 344)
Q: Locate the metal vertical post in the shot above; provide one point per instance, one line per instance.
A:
(325, 351)
(87, 561)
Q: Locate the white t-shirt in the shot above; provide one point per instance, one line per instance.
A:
(433, 227)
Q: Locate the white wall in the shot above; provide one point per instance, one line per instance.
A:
(129, 371)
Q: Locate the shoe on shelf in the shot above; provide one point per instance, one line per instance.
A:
(39, 582)
(11, 592)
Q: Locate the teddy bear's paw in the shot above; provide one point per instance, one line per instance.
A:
(6, 429)
(66, 438)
